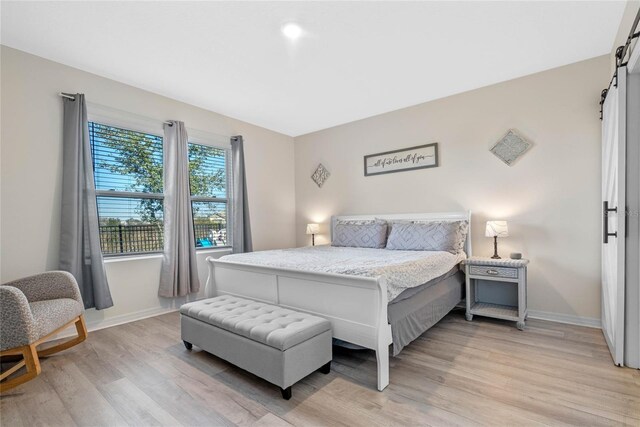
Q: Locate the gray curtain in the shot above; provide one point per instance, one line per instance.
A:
(80, 252)
(241, 226)
(179, 274)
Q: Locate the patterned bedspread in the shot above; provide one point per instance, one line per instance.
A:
(401, 269)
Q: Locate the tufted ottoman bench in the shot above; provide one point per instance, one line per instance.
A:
(279, 345)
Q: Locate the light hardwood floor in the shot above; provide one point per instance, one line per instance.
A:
(484, 372)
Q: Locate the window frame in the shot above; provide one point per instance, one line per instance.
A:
(136, 123)
(148, 130)
(201, 138)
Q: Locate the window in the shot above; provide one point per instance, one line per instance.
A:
(208, 182)
(127, 167)
(128, 172)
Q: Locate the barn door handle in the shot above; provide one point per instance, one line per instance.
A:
(605, 222)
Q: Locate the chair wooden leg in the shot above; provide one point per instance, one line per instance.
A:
(81, 329)
(32, 364)
(31, 355)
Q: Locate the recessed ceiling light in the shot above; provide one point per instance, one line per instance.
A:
(291, 30)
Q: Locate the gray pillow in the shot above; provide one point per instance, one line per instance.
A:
(393, 222)
(360, 234)
(428, 236)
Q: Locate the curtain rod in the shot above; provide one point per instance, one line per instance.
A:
(621, 52)
(73, 98)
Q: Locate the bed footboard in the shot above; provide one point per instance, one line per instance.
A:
(355, 306)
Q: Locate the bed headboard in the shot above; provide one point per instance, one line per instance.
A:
(437, 216)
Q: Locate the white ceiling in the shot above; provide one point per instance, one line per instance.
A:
(355, 60)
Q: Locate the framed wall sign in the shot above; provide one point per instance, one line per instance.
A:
(406, 159)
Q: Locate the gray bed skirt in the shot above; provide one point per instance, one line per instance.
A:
(412, 314)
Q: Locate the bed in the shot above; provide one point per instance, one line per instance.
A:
(370, 303)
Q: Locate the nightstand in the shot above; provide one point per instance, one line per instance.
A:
(497, 288)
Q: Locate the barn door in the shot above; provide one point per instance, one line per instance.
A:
(613, 217)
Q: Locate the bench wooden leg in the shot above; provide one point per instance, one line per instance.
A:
(30, 361)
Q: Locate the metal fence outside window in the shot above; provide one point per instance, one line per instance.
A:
(140, 238)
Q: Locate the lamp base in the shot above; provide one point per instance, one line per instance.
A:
(495, 248)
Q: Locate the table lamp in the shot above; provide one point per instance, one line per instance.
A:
(313, 229)
(496, 229)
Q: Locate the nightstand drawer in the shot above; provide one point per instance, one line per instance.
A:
(487, 270)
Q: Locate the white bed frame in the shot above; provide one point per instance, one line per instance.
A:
(356, 306)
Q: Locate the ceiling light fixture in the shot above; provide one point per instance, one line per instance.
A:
(292, 30)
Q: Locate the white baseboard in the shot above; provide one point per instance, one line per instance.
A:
(96, 325)
(117, 320)
(129, 317)
(589, 322)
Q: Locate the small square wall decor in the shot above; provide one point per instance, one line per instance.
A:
(320, 175)
(510, 147)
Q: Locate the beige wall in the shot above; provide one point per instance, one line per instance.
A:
(551, 196)
(31, 163)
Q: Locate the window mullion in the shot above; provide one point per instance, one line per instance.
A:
(129, 194)
(208, 199)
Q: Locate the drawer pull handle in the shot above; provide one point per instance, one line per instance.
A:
(493, 272)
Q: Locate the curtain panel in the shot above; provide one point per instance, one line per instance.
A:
(240, 222)
(179, 274)
(80, 252)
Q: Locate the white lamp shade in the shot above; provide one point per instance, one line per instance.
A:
(496, 228)
(313, 228)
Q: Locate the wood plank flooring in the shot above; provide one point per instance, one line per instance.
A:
(484, 372)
